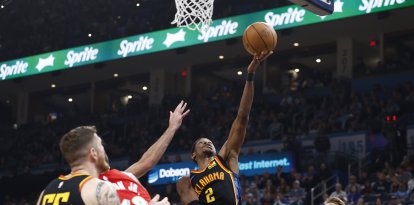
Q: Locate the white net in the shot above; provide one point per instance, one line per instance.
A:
(194, 14)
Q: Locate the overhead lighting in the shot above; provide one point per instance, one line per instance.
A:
(2, 6)
(129, 96)
(89, 35)
(239, 72)
(296, 44)
(7, 101)
(116, 75)
(318, 60)
(297, 70)
(119, 17)
(221, 57)
(53, 85)
(70, 99)
(144, 88)
(138, 4)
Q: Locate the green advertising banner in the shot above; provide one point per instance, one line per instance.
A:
(279, 18)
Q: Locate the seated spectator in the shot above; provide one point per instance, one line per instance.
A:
(250, 200)
(308, 180)
(267, 199)
(394, 200)
(360, 201)
(378, 201)
(269, 186)
(283, 187)
(381, 186)
(279, 199)
(402, 191)
(353, 195)
(366, 189)
(410, 186)
(278, 175)
(410, 199)
(253, 190)
(352, 182)
(364, 178)
(296, 194)
(339, 193)
(394, 185)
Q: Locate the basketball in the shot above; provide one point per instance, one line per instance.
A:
(259, 37)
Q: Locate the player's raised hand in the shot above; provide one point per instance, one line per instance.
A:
(155, 201)
(176, 117)
(257, 59)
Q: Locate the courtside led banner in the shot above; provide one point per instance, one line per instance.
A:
(249, 165)
(220, 29)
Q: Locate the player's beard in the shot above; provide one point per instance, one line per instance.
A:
(107, 162)
(103, 164)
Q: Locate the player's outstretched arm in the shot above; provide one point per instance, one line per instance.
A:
(186, 192)
(231, 148)
(151, 157)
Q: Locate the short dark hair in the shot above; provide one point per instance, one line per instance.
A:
(193, 149)
(73, 144)
(194, 145)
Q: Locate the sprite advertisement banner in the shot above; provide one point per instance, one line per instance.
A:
(220, 29)
(249, 165)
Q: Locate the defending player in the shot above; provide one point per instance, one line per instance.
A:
(129, 188)
(82, 148)
(216, 182)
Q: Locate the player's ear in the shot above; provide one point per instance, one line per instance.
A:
(93, 154)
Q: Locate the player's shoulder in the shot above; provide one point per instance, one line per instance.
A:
(96, 189)
(94, 182)
(219, 158)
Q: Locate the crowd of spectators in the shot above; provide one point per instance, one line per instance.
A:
(33, 27)
(402, 58)
(293, 118)
(297, 115)
(391, 185)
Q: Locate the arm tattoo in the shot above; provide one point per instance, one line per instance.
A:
(106, 195)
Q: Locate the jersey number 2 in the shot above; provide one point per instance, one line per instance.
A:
(209, 195)
(55, 199)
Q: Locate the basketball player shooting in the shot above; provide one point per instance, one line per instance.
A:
(216, 182)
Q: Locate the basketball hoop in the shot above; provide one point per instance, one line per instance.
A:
(194, 14)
